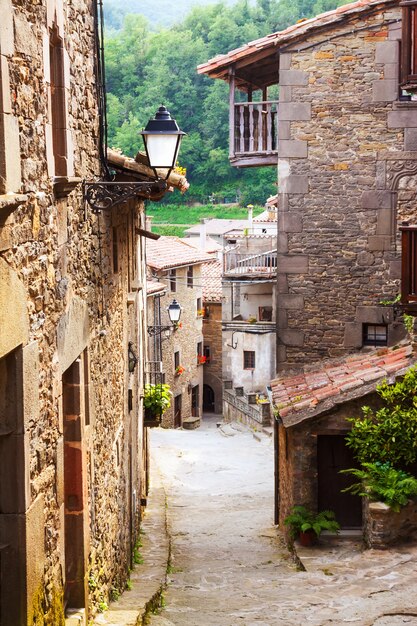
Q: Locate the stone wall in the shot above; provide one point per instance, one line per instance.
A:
(69, 301)
(384, 527)
(346, 160)
(212, 332)
(183, 340)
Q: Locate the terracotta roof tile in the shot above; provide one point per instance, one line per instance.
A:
(211, 277)
(214, 66)
(153, 287)
(170, 252)
(324, 384)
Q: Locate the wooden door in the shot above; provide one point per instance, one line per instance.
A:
(177, 411)
(332, 456)
(195, 394)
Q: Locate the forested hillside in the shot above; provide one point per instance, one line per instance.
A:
(145, 68)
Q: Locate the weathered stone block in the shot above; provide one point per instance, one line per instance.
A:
(13, 310)
(284, 62)
(10, 168)
(379, 242)
(6, 29)
(374, 314)
(391, 71)
(384, 222)
(293, 77)
(30, 367)
(292, 264)
(282, 243)
(293, 149)
(377, 199)
(291, 301)
(294, 111)
(387, 52)
(5, 100)
(291, 337)
(284, 131)
(290, 223)
(353, 335)
(402, 119)
(384, 90)
(294, 183)
(395, 269)
(410, 139)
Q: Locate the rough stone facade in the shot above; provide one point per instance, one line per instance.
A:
(346, 164)
(384, 527)
(183, 341)
(212, 332)
(71, 435)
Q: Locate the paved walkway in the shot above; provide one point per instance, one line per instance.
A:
(229, 565)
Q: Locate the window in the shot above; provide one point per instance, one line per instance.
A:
(172, 277)
(248, 360)
(265, 313)
(200, 311)
(200, 358)
(206, 353)
(409, 45)
(58, 105)
(190, 274)
(375, 335)
(176, 359)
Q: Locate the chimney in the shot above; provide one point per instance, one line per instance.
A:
(148, 222)
(250, 218)
(203, 234)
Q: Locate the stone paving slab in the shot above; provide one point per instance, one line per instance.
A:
(148, 579)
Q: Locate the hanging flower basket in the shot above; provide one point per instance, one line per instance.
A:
(156, 400)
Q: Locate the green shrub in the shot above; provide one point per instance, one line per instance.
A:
(390, 433)
(157, 398)
(301, 520)
(380, 482)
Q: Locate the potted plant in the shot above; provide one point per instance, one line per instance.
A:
(201, 359)
(156, 400)
(179, 370)
(307, 526)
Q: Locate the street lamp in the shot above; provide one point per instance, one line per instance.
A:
(174, 314)
(162, 138)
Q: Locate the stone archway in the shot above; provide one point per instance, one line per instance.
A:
(208, 399)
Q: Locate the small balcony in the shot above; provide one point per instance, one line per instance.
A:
(409, 269)
(252, 266)
(254, 134)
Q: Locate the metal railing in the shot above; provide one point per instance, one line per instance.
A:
(262, 263)
(256, 127)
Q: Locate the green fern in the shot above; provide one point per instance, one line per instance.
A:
(302, 519)
(380, 482)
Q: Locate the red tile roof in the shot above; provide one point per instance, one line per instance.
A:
(217, 66)
(319, 388)
(170, 252)
(153, 288)
(211, 277)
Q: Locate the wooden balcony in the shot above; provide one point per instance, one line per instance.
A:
(409, 269)
(237, 265)
(254, 133)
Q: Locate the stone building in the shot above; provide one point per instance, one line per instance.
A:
(345, 147)
(72, 319)
(178, 266)
(313, 406)
(211, 275)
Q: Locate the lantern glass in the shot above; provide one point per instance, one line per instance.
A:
(162, 138)
(174, 312)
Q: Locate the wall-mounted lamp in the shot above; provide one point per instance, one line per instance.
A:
(162, 138)
(132, 359)
(174, 314)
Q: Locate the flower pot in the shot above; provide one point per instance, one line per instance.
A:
(308, 538)
(151, 419)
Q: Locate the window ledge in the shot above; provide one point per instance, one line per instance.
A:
(63, 185)
(405, 104)
(10, 201)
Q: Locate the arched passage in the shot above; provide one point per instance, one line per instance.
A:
(208, 399)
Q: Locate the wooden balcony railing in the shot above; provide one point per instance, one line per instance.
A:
(252, 265)
(409, 269)
(254, 132)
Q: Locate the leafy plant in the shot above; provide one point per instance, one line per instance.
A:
(390, 433)
(380, 482)
(302, 520)
(157, 398)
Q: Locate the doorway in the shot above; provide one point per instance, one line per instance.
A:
(74, 500)
(208, 399)
(195, 397)
(332, 456)
(177, 411)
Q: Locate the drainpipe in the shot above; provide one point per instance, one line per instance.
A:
(250, 219)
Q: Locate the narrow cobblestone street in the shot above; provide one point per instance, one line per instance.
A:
(228, 563)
